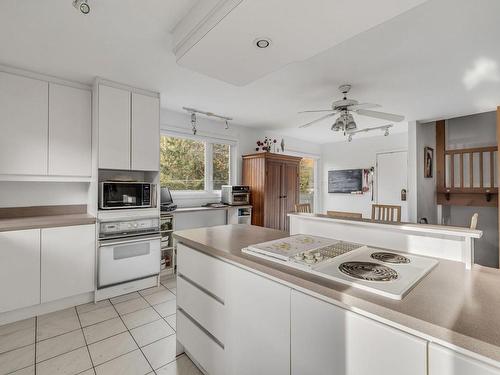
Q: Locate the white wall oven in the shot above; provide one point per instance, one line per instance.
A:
(115, 195)
(129, 250)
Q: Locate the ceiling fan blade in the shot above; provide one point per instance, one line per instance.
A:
(355, 107)
(380, 115)
(317, 120)
(317, 110)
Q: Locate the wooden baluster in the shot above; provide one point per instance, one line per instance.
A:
(452, 171)
(461, 170)
(481, 169)
(471, 170)
(492, 169)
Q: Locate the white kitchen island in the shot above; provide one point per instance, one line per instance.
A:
(446, 242)
(242, 314)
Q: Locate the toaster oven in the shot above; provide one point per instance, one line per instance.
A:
(235, 195)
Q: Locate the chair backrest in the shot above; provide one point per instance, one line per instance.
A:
(342, 214)
(303, 207)
(385, 212)
(473, 221)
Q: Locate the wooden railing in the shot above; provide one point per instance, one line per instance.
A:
(468, 180)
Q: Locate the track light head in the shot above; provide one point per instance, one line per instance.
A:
(227, 125)
(82, 6)
(386, 132)
(349, 138)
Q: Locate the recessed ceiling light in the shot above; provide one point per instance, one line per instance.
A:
(262, 42)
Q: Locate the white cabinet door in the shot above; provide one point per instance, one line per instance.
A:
(23, 125)
(443, 361)
(19, 269)
(67, 261)
(114, 128)
(70, 142)
(258, 325)
(326, 339)
(145, 132)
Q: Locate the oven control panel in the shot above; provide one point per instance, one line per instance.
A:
(113, 228)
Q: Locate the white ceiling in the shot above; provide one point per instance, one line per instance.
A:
(298, 30)
(437, 60)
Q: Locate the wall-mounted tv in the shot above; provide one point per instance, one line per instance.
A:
(345, 181)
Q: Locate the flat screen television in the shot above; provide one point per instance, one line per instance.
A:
(345, 181)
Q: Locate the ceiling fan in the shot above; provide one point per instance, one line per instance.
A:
(346, 107)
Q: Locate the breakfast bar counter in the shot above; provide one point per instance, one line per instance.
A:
(452, 306)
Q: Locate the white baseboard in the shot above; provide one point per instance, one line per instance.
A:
(45, 308)
(118, 290)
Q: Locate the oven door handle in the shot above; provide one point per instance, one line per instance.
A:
(104, 243)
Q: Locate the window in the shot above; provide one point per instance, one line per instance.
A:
(194, 163)
(307, 181)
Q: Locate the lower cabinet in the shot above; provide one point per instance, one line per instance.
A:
(443, 361)
(19, 269)
(258, 325)
(326, 339)
(43, 265)
(67, 261)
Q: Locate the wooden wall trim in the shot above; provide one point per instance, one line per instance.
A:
(498, 174)
(440, 154)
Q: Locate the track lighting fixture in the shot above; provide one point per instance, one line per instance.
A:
(386, 132)
(193, 113)
(349, 138)
(82, 6)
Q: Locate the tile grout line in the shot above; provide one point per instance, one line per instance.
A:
(85, 339)
(36, 329)
(133, 338)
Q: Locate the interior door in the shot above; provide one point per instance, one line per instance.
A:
(272, 212)
(392, 179)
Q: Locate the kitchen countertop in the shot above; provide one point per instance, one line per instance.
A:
(202, 208)
(451, 306)
(21, 218)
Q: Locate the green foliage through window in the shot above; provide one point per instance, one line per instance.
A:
(183, 165)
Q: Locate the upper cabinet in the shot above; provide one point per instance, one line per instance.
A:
(129, 129)
(23, 125)
(46, 128)
(114, 128)
(70, 131)
(145, 132)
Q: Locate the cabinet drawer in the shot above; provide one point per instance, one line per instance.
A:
(204, 308)
(208, 353)
(204, 270)
(443, 361)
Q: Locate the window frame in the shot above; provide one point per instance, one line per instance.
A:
(208, 141)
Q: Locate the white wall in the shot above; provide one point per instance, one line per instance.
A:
(426, 187)
(244, 137)
(25, 193)
(360, 153)
(475, 131)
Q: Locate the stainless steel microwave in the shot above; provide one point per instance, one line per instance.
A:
(114, 195)
(235, 195)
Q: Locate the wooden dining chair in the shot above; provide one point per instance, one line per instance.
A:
(303, 208)
(385, 212)
(345, 215)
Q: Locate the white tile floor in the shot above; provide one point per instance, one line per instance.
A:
(132, 334)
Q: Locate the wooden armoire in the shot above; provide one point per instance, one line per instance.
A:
(274, 183)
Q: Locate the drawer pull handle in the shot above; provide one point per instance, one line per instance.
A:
(202, 289)
(200, 327)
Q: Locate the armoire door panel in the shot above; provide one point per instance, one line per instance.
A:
(272, 214)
